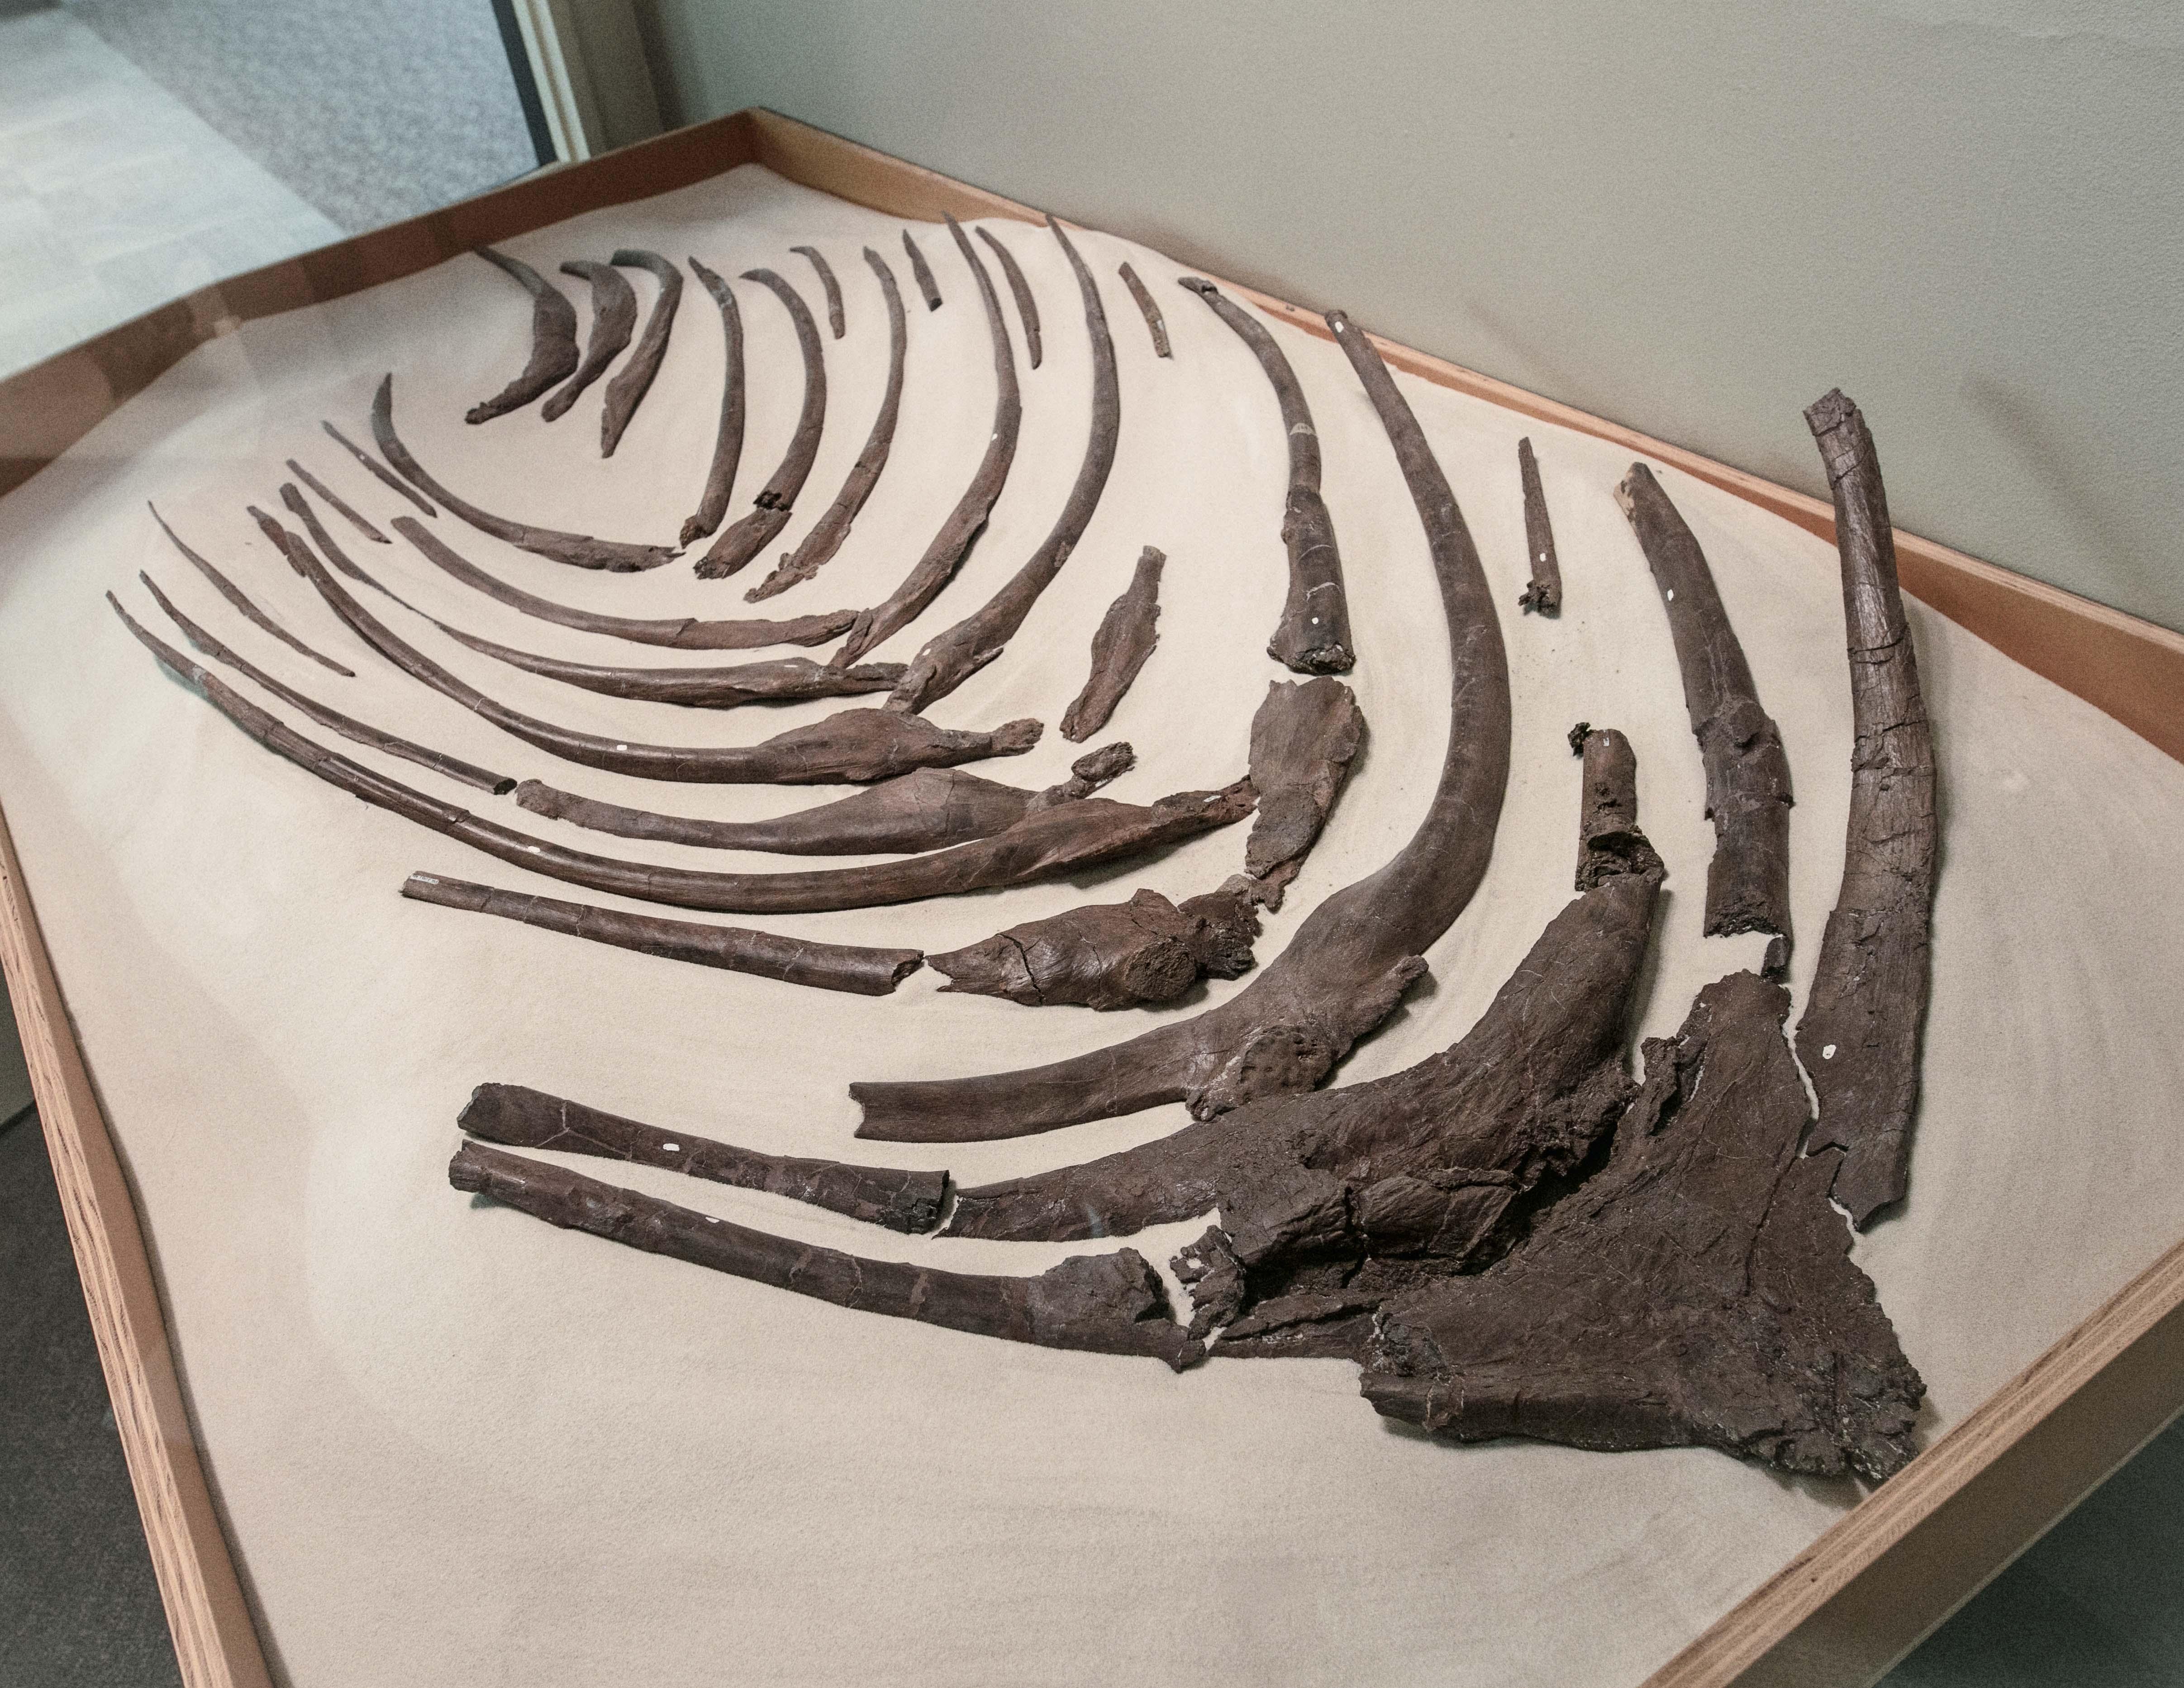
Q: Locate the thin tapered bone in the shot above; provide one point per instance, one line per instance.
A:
(614, 320)
(626, 391)
(1748, 772)
(772, 508)
(1303, 739)
(1027, 306)
(953, 543)
(1544, 592)
(1124, 640)
(468, 773)
(300, 507)
(729, 437)
(1360, 951)
(1698, 1292)
(515, 1117)
(1154, 321)
(856, 747)
(1313, 635)
(579, 550)
(788, 679)
(1608, 841)
(249, 611)
(379, 471)
(1110, 955)
(833, 525)
(925, 808)
(1864, 1020)
(836, 322)
(737, 949)
(947, 659)
(922, 272)
(675, 634)
(1106, 1303)
(337, 503)
(553, 342)
(1054, 842)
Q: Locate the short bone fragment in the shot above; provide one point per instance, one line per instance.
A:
(1303, 739)
(1544, 592)
(921, 273)
(1156, 325)
(1124, 640)
(1112, 955)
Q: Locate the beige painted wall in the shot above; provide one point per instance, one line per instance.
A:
(1691, 217)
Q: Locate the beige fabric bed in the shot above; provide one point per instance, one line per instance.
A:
(456, 1446)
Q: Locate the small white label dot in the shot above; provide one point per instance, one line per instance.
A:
(1828, 1053)
(669, 1148)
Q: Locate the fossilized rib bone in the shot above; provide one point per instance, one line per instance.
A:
(1352, 960)
(339, 503)
(833, 525)
(626, 391)
(552, 341)
(1112, 955)
(788, 679)
(1608, 841)
(380, 471)
(1124, 640)
(249, 611)
(947, 659)
(1748, 772)
(580, 550)
(613, 320)
(921, 273)
(1313, 635)
(925, 808)
(1027, 306)
(1303, 739)
(1698, 1292)
(1155, 323)
(729, 437)
(1862, 1023)
(771, 510)
(952, 544)
(1544, 591)
(836, 322)
(792, 960)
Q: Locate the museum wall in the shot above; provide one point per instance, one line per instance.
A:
(1692, 218)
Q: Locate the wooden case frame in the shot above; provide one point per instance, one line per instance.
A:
(1837, 1614)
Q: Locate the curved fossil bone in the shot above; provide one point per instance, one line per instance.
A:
(1860, 1033)
(771, 510)
(1748, 772)
(335, 501)
(1313, 635)
(379, 471)
(626, 391)
(947, 659)
(788, 679)
(921, 273)
(953, 543)
(1351, 962)
(552, 341)
(729, 437)
(1120, 645)
(792, 960)
(833, 525)
(249, 611)
(1027, 306)
(1544, 591)
(836, 322)
(613, 320)
(1155, 323)
(580, 550)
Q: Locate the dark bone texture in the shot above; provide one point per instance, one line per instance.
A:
(552, 341)
(777, 499)
(728, 432)
(1120, 645)
(1544, 592)
(1112, 955)
(613, 320)
(626, 391)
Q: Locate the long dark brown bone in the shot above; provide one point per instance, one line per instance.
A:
(1303, 739)
(788, 679)
(947, 659)
(1360, 951)
(772, 508)
(729, 437)
(613, 320)
(921, 273)
(1748, 772)
(925, 808)
(337, 502)
(1027, 306)
(249, 611)
(1107, 1303)
(1155, 323)
(380, 471)
(1864, 1020)
(1120, 645)
(626, 391)
(580, 550)
(1112, 955)
(552, 341)
(833, 525)
(1544, 591)
(855, 747)
(1313, 635)
(674, 633)
(1698, 1292)
(455, 769)
(516, 1118)
(792, 960)
(837, 324)
(953, 543)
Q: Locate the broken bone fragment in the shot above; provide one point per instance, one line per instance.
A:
(1112, 955)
